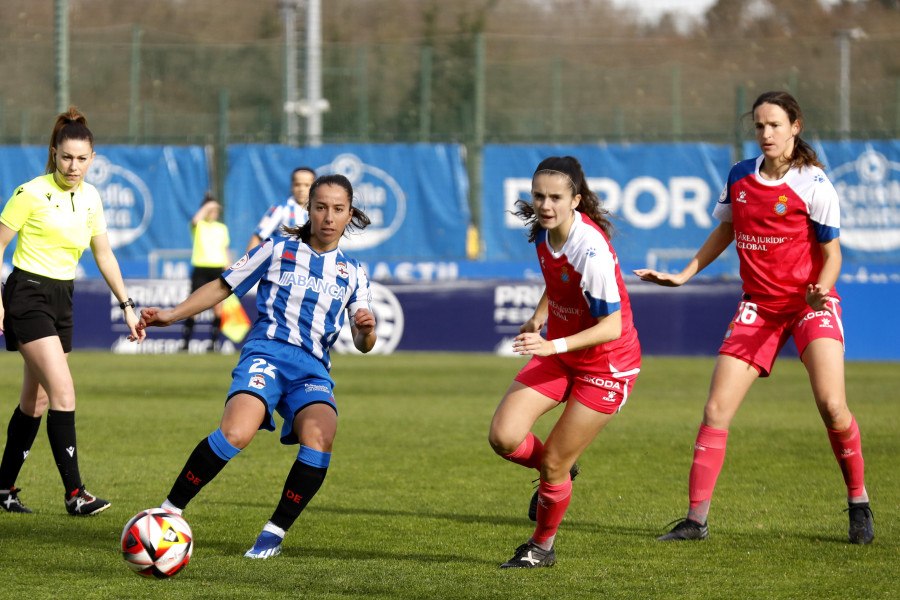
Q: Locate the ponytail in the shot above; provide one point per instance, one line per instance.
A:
(70, 125)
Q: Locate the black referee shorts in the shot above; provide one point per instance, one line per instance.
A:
(200, 276)
(37, 307)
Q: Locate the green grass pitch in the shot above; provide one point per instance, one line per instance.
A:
(417, 506)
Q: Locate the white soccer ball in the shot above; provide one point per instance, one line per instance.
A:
(157, 543)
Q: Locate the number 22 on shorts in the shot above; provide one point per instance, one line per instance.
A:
(261, 366)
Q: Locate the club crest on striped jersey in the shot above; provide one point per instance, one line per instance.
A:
(342, 270)
(240, 263)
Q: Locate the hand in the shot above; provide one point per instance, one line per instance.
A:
(526, 344)
(364, 321)
(664, 279)
(155, 317)
(137, 332)
(532, 325)
(817, 297)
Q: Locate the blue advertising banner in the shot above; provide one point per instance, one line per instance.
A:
(149, 195)
(414, 194)
(661, 196)
(686, 321)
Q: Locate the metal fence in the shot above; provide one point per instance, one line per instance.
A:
(151, 87)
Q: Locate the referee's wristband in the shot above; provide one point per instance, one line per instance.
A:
(560, 345)
(128, 302)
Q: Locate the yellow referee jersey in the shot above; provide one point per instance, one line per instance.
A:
(54, 226)
(210, 244)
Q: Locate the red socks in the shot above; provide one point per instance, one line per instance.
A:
(709, 454)
(553, 500)
(530, 452)
(848, 451)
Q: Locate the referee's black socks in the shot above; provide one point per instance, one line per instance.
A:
(20, 436)
(61, 432)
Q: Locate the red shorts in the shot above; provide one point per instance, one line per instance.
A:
(603, 391)
(758, 331)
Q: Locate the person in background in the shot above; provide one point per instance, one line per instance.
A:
(306, 286)
(290, 213)
(590, 359)
(784, 215)
(56, 216)
(209, 260)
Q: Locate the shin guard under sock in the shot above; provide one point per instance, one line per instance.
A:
(20, 436)
(205, 462)
(553, 501)
(530, 452)
(709, 455)
(847, 449)
(61, 432)
(304, 480)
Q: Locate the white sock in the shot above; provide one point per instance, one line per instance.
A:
(548, 545)
(274, 529)
(168, 506)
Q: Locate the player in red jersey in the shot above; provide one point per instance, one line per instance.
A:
(590, 358)
(783, 215)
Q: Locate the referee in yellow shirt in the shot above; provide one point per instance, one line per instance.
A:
(56, 216)
(209, 259)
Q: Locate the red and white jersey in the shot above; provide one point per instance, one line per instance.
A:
(584, 282)
(778, 226)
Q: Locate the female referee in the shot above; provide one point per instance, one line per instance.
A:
(305, 285)
(783, 198)
(591, 356)
(56, 217)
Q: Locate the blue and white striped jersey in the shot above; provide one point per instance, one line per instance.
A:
(302, 294)
(287, 214)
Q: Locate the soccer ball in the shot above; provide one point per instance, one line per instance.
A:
(157, 543)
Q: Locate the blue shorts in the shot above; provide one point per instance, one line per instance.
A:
(286, 378)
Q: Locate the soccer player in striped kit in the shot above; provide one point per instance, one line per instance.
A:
(305, 286)
(784, 217)
(591, 356)
(290, 213)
